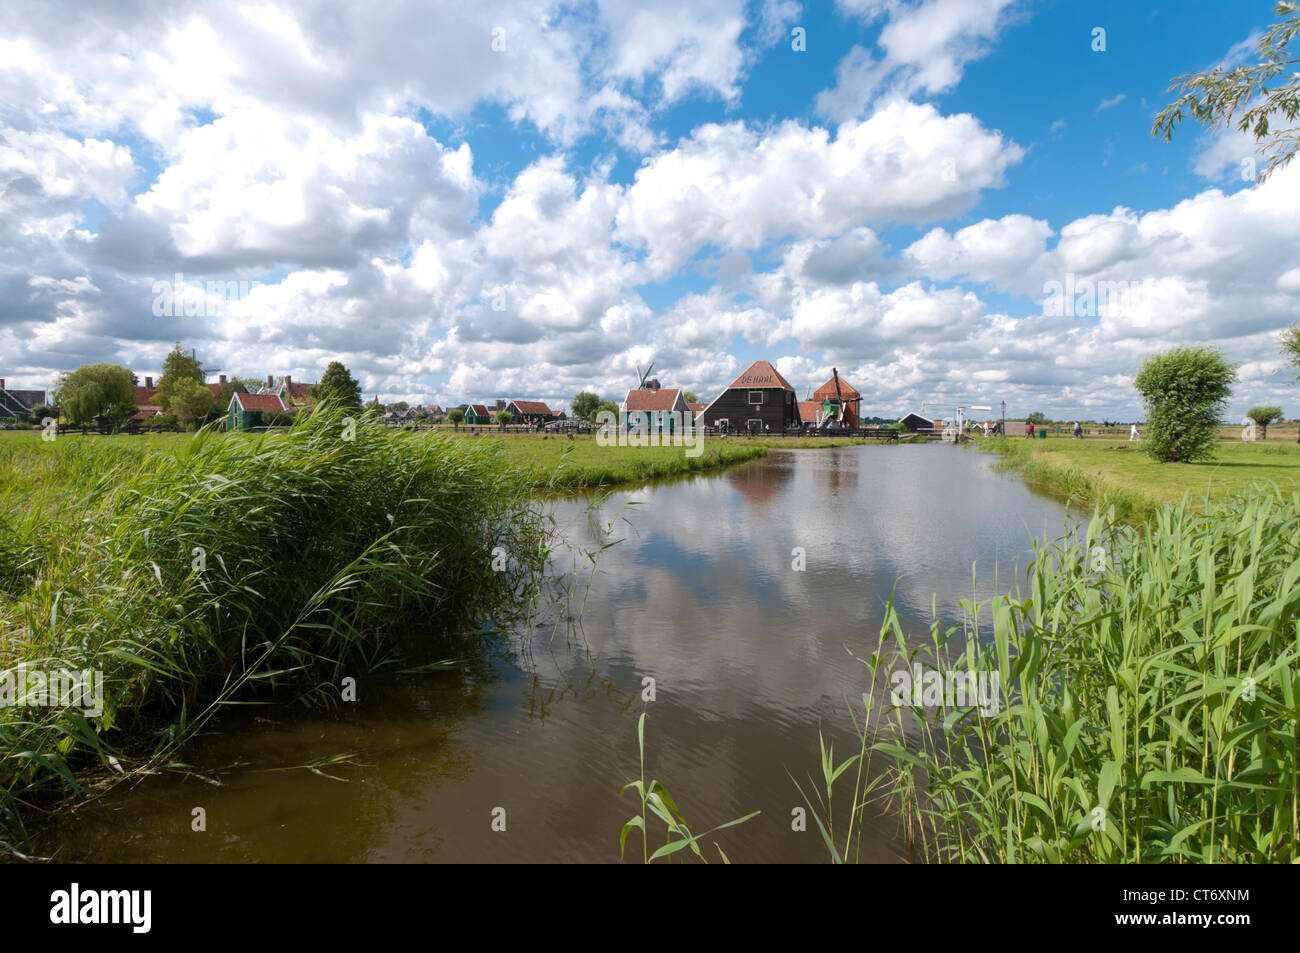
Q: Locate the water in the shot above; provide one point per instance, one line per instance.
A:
(749, 658)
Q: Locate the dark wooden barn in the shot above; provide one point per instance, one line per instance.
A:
(915, 422)
(759, 400)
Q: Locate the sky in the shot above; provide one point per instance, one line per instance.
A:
(949, 201)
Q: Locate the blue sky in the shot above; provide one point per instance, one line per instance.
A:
(624, 182)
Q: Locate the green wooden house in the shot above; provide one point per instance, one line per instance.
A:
(478, 415)
(245, 411)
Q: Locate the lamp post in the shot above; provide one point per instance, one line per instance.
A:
(1004, 418)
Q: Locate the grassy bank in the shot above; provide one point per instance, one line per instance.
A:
(1114, 473)
(71, 465)
(560, 463)
(231, 569)
(1148, 707)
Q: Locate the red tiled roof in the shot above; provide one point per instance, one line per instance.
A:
(143, 397)
(480, 410)
(759, 375)
(697, 407)
(215, 388)
(300, 390)
(532, 407)
(259, 401)
(646, 399)
(808, 410)
(847, 390)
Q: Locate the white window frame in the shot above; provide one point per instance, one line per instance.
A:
(755, 403)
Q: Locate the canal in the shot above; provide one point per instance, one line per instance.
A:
(741, 594)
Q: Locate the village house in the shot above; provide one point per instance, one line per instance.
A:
(293, 394)
(653, 406)
(759, 400)
(143, 398)
(915, 422)
(246, 410)
(19, 404)
(477, 415)
(529, 412)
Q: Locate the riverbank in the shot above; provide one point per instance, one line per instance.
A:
(59, 471)
(153, 588)
(1112, 472)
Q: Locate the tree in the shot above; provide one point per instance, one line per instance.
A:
(400, 405)
(504, 418)
(1263, 416)
(40, 412)
(1216, 97)
(96, 390)
(608, 405)
(235, 385)
(1290, 342)
(190, 400)
(584, 404)
(337, 383)
(1037, 418)
(690, 397)
(456, 416)
(178, 367)
(1185, 391)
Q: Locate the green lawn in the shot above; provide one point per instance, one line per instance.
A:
(1111, 469)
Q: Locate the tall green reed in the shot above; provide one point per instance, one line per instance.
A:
(243, 567)
(1149, 709)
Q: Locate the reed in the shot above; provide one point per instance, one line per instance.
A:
(656, 801)
(242, 567)
(1149, 708)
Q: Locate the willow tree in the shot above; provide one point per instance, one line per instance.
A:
(1262, 100)
(1263, 416)
(96, 390)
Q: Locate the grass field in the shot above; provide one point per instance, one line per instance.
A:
(29, 465)
(1113, 471)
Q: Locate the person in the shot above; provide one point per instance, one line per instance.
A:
(1029, 430)
(1133, 433)
(986, 428)
(1078, 431)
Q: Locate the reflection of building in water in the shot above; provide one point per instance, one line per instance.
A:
(760, 485)
(840, 471)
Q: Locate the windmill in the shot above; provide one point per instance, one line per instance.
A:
(833, 407)
(646, 381)
(205, 371)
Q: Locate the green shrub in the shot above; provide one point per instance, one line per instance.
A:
(1186, 391)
